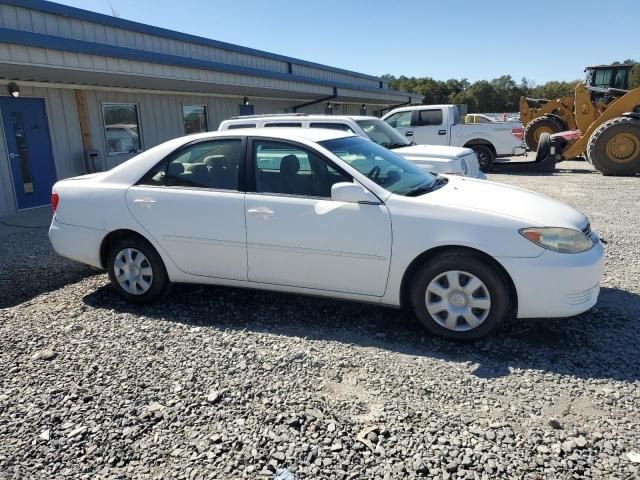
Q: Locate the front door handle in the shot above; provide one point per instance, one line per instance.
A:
(442, 132)
(145, 202)
(261, 212)
(408, 134)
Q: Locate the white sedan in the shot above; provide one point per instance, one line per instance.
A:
(324, 212)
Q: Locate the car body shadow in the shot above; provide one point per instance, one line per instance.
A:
(602, 343)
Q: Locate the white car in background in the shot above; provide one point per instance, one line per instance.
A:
(431, 158)
(329, 213)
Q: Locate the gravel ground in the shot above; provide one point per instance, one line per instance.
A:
(228, 384)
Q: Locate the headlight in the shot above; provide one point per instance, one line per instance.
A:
(561, 240)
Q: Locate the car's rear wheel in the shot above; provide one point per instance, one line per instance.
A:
(485, 155)
(136, 270)
(461, 296)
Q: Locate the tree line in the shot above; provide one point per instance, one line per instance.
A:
(501, 94)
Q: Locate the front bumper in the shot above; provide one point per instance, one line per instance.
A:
(556, 284)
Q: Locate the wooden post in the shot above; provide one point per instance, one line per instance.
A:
(83, 117)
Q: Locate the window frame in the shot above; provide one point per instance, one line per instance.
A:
(206, 117)
(251, 166)
(242, 164)
(104, 126)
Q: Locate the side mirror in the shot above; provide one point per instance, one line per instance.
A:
(352, 193)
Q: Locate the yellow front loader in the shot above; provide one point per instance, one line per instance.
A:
(540, 115)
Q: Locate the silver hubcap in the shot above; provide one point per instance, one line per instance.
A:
(458, 300)
(133, 271)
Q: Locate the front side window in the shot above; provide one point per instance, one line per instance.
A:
(194, 118)
(383, 134)
(292, 170)
(211, 164)
(122, 128)
(429, 117)
(284, 124)
(343, 127)
(381, 165)
(603, 79)
(400, 119)
(241, 125)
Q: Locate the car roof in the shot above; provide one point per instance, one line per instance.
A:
(285, 133)
(419, 107)
(293, 117)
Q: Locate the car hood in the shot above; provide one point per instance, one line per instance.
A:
(432, 151)
(532, 208)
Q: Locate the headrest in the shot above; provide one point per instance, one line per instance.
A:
(212, 160)
(289, 165)
(176, 168)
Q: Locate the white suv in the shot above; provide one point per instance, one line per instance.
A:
(431, 158)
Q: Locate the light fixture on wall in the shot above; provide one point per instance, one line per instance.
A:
(363, 109)
(14, 90)
(245, 100)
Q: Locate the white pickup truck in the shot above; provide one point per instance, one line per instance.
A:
(441, 125)
(431, 158)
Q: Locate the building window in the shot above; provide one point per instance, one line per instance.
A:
(122, 128)
(194, 118)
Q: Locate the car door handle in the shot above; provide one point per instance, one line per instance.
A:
(442, 132)
(145, 202)
(261, 212)
(14, 155)
(408, 134)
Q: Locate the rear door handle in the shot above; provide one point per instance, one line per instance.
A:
(442, 132)
(145, 202)
(261, 212)
(408, 134)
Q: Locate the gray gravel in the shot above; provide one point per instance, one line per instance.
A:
(226, 384)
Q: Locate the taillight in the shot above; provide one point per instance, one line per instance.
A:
(517, 132)
(54, 201)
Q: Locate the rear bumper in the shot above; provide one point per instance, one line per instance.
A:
(77, 243)
(556, 284)
(519, 151)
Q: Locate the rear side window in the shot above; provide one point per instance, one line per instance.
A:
(283, 124)
(233, 126)
(332, 126)
(429, 117)
(212, 164)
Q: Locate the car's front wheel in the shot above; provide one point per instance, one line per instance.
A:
(136, 270)
(461, 296)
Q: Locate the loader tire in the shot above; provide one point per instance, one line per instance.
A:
(614, 148)
(537, 127)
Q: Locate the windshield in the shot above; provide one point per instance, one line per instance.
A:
(387, 169)
(383, 134)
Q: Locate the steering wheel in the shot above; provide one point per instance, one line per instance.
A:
(374, 173)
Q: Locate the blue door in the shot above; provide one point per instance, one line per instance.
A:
(29, 148)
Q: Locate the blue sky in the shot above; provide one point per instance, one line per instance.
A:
(476, 39)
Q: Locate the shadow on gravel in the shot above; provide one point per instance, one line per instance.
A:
(30, 267)
(512, 170)
(602, 343)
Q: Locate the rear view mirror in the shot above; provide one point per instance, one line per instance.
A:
(352, 193)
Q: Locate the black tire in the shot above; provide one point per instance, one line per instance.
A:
(499, 289)
(159, 279)
(540, 125)
(486, 156)
(605, 160)
(544, 147)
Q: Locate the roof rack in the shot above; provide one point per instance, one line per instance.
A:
(239, 117)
